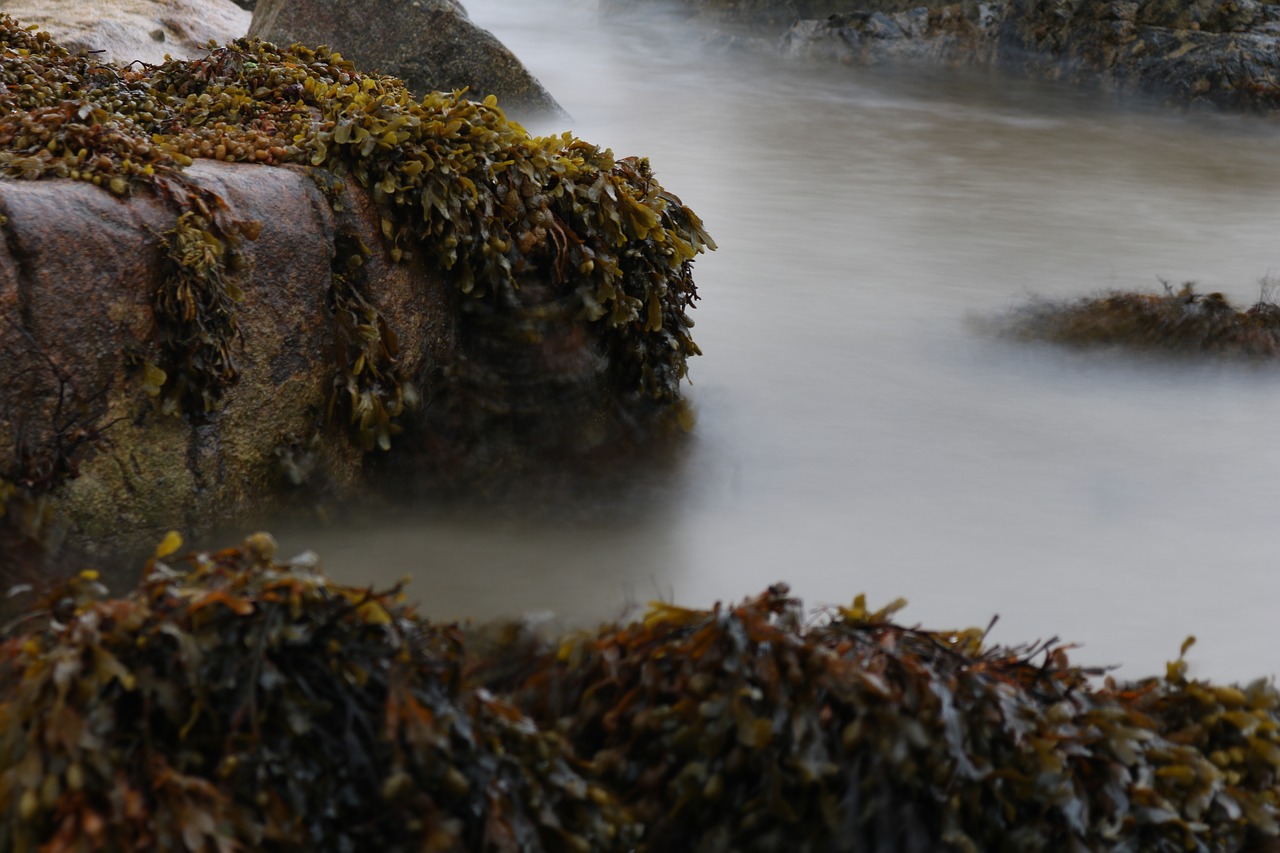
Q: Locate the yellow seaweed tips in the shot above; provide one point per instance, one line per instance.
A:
(171, 542)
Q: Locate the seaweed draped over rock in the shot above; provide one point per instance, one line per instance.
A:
(750, 728)
(236, 700)
(457, 184)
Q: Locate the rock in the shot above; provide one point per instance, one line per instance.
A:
(185, 338)
(1221, 53)
(1181, 322)
(430, 44)
(1218, 52)
(135, 30)
(75, 397)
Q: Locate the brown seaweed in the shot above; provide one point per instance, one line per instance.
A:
(234, 700)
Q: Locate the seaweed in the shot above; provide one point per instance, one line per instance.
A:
(369, 386)
(58, 423)
(751, 728)
(234, 700)
(457, 184)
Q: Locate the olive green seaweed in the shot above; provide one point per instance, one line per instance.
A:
(457, 184)
(1184, 321)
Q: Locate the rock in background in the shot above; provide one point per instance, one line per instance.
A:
(135, 30)
(1218, 52)
(430, 44)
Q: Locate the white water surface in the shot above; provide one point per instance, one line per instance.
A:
(856, 431)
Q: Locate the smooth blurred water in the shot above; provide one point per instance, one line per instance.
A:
(857, 432)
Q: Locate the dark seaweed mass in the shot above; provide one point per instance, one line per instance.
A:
(1177, 322)
(234, 701)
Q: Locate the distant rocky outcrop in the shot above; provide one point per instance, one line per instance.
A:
(1219, 52)
(124, 31)
(430, 44)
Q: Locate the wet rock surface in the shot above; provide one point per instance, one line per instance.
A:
(123, 31)
(430, 44)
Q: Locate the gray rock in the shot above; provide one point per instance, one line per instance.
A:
(1185, 52)
(430, 44)
(949, 35)
(123, 31)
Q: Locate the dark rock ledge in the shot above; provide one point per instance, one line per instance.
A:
(1224, 53)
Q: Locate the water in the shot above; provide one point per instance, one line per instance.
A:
(857, 432)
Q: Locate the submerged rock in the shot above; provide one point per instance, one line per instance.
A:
(1219, 53)
(228, 278)
(946, 36)
(430, 44)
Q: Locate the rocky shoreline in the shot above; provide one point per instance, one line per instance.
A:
(1221, 54)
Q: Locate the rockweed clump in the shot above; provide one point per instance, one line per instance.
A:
(1183, 321)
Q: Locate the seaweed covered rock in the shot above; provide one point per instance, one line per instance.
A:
(222, 330)
(431, 45)
(237, 700)
(124, 31)
(1181, 321)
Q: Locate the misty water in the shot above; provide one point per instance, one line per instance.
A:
(857, 430)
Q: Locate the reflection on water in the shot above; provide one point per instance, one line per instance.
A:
(855, 432)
